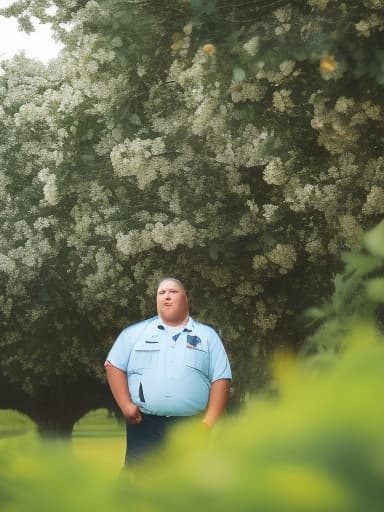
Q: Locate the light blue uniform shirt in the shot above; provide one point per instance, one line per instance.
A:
(170, 376)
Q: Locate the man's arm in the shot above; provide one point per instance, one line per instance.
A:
(118, 382)
(218, 399)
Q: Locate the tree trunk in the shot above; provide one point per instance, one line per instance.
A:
(56, 409)
(49, 427)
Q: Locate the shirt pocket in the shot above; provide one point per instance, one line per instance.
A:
(144, 357)
(197, 359)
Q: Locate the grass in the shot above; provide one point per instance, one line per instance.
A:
(13, 424)
(98, 438)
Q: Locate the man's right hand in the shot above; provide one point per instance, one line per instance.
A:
(132, 413)
(118, 382)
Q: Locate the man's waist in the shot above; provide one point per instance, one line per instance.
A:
(171, 418)
(172, 412)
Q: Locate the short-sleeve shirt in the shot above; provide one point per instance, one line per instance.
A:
(170, 375)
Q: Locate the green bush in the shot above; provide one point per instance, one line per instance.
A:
(317, 446)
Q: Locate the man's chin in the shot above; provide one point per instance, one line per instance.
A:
(169, 317)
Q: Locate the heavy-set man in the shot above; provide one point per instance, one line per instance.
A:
(165, 368)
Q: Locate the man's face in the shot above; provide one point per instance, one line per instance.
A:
(172, 303)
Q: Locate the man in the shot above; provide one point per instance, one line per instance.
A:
(165, 368)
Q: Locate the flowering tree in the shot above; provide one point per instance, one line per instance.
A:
(235, 146)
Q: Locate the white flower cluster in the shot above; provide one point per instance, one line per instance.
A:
(252, 46)
(31, 254)
(219, 275)
(315, 249)
(192, 78)
(341, 127)
(203, 115)
(168, 236)
(371, 23)
(175, 121)
(259, 262)
(282, 101)
(284, 256)
(248, 289)
(282, 29)
(42, 223)
(270, 212)
(4, 182)
(263, 320)
(351, 230)
(273, 173)
(141, 159)
(7, 265)
(242, 92)
(85, 217)
(247, 148)
(374, 203)
(374, 4)
(318, 4)
(283, 14)
(374, 171)
(97, 284)
(286, 71)
(299, 197)
(49, 189)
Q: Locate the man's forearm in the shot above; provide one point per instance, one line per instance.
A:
(118, 382)
(218, 399)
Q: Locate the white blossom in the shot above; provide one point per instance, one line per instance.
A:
(273, 173)
(49, 189)
(269, 212)
(241, 92)
(283, 255)
(319, 4)
(282, 101)
(259, 262)
(252, 46)
(351, 230)
(374, 203)
(7, 264)
(141, 159)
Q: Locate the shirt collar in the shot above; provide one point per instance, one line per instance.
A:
(187, 328)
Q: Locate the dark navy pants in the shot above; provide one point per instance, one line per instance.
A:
(147, 436)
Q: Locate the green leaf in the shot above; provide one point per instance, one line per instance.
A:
(380, 78)
(359, 263)
(201, 7)
(317, 313)
(238, 74)
(214, 252)
(375, 289)
(374, 240)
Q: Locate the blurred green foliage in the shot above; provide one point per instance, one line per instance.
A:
(358, 297)
(99, 423)
(12, 423)
(318, 447)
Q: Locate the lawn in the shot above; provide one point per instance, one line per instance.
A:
(98, 438)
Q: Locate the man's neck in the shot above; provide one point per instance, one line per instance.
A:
(176, 323)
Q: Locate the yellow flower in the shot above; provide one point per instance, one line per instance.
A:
(209, 49)
(328, 64)
(177, 45)
(177, 41)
